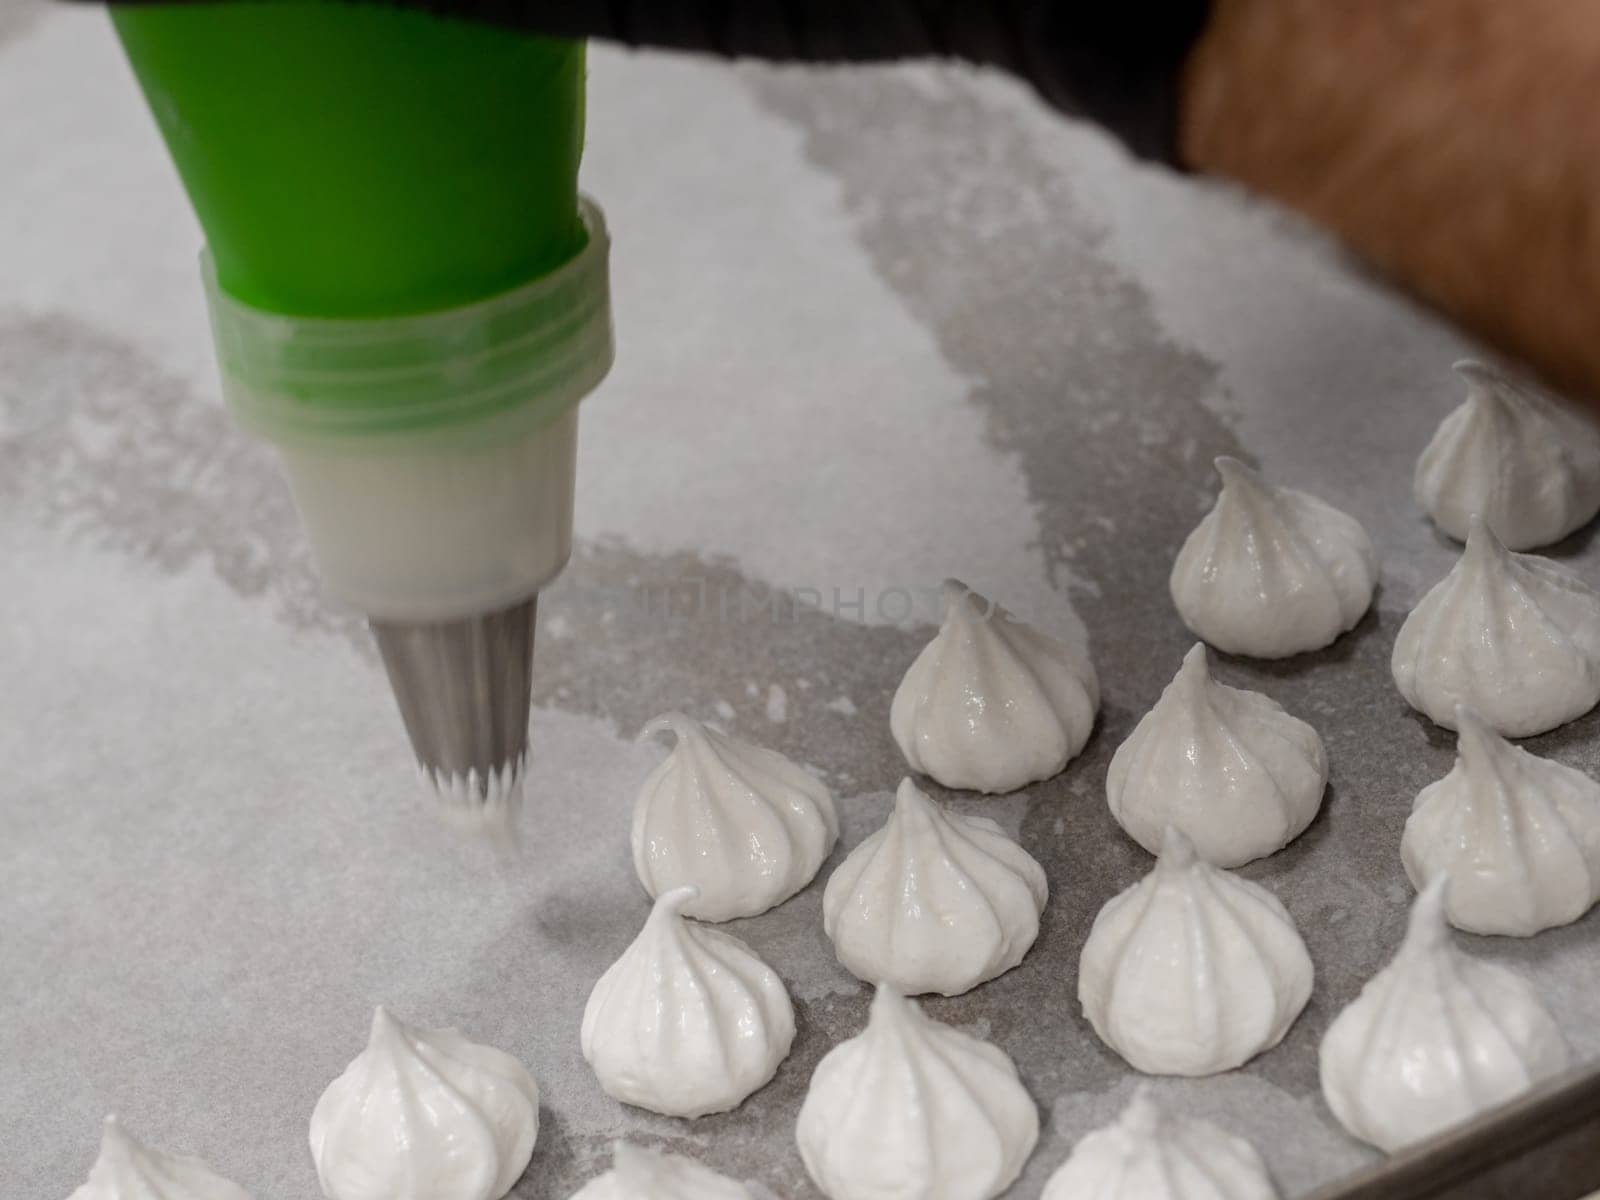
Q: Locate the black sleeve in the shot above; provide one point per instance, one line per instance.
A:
(1113, 61)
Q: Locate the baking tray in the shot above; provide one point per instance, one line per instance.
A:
(984, 345)
(1546, 1143)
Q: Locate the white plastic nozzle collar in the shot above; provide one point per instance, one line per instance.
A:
(432, 456)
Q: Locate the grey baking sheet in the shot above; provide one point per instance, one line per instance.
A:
(876, 327)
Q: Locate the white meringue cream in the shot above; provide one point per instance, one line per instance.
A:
(743, 824)
(1148, 1154)
(1513, 637)
(1526, 464)
(640, 1174)
(934, 901)
(910, 1109)
(689, 1020)
(1518, 837)
(1434, 1038)
(1192, 971)
(1230, 768)
(991, 703)
(424, 1114)
(1271, 572)
(129, 1170)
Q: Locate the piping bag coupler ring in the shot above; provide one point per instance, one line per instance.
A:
(432, 458)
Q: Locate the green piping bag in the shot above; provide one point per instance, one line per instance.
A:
(408, 298)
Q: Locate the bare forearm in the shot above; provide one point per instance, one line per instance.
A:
(1452, 142)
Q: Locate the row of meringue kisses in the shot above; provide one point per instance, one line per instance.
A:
(1191, 971)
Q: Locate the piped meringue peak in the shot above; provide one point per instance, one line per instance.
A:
(1271, 572)
(934, 901)
(1514, 637)
(689, 1020)
(913, 1108)
(1517, 836)
(128, 1170)
(1434, 1038)
(424, 1114)
(640, 1174)
(741, 823)
(1192, 971)
(1150, 1154)
(1527, 465)
(991, 703)
(1230, 768)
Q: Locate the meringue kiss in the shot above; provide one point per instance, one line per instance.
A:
(1518, 837)
(991, 703)
(128, 1170)
(1514, 637)
(743, 824)
(1271, 572)
(424, 1114)
(1230, 768)
(1434, 1038)
(1149, 1154)
(688, 1021)
(1524, 463)
(640, 1174)
(1192, 971)
(934, 901)
(910, 1109)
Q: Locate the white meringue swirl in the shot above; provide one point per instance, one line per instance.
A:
(910, 1109)
(1514, 637)
(741, 823)
(1149, 1154)
(1230, 768)
(1527, 465)
(689, 1020)
(1271, 572)
(424, 1114)
(640, 1174)
(991, 703)
(1518, 837)
(934, 901)
(128, 1170)
(1192, 971)
(1434, 1038)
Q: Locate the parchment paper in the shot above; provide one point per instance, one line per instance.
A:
(876, 327)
